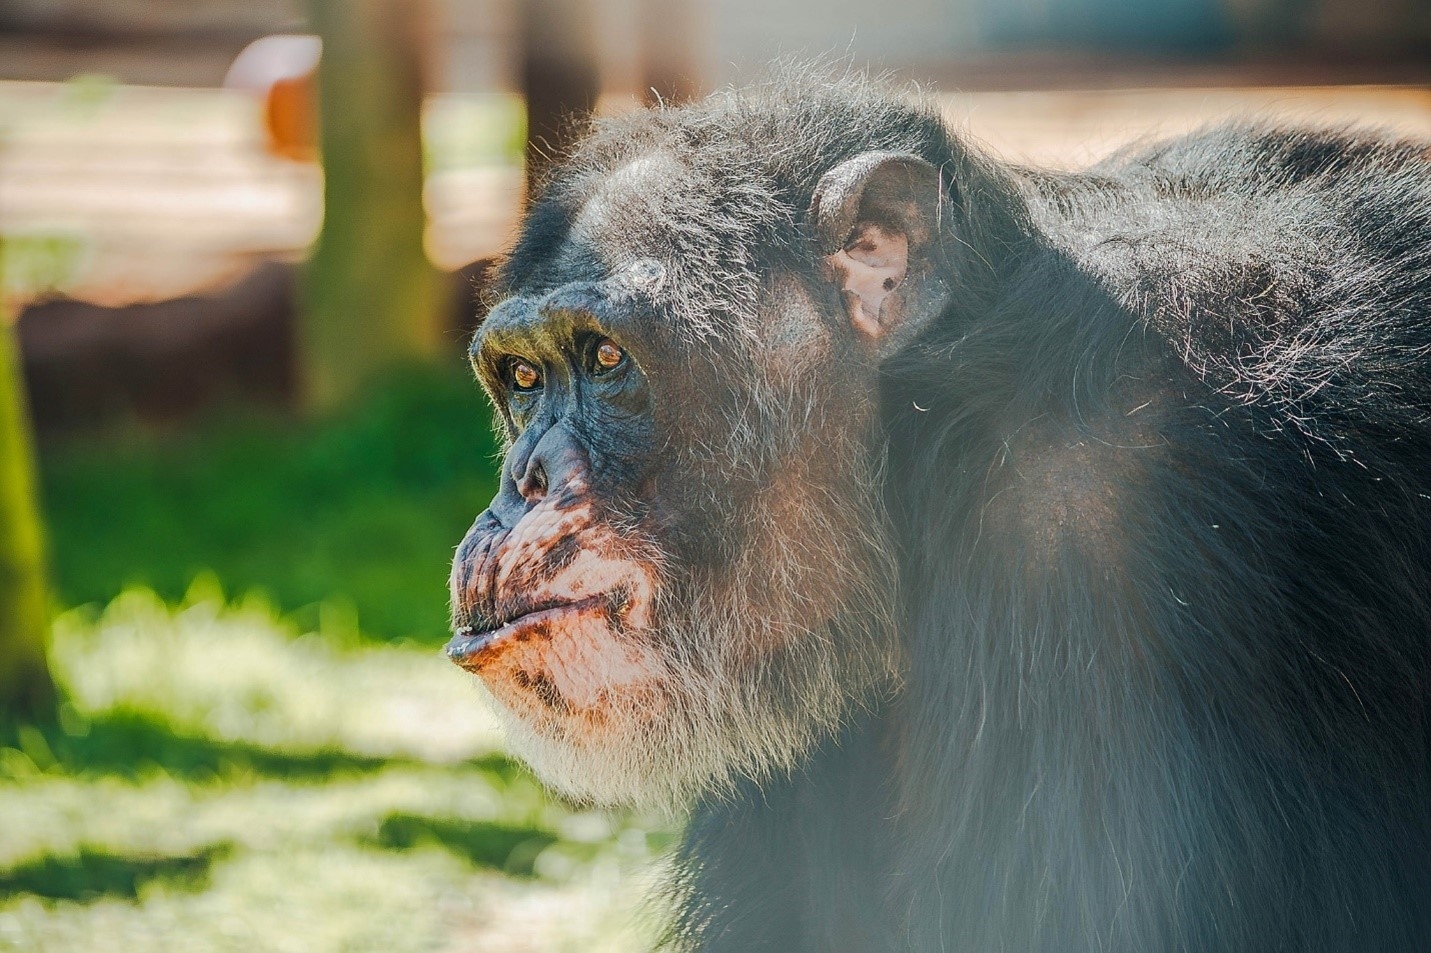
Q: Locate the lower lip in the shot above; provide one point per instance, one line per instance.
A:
(471, 649)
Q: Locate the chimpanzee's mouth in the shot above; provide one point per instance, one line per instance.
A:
(470, 647)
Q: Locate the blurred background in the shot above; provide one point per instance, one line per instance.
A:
(242, 245)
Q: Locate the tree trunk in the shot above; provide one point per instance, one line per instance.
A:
(26, 692)
(371, 298)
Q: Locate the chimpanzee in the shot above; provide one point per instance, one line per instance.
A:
(1000, 560)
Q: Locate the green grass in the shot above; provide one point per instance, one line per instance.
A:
(218, 781)
(354, 515)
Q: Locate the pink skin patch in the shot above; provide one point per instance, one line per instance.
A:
(556, 602)
(872, 267)
(569, 664)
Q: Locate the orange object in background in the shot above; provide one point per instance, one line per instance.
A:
(282, 69)
(291, 119)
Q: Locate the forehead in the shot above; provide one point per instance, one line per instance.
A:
(635, 204)
(710, 228)
(596, 221)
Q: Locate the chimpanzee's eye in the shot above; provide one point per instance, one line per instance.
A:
(608, 356)
(524, 377)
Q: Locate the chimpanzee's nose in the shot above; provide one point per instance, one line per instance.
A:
(554, 462)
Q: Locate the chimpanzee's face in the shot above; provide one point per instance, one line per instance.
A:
(684, 576)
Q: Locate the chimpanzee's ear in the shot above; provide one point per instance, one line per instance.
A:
(876, 219)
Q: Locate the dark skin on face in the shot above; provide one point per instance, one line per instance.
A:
(566, 547)
(577, 409)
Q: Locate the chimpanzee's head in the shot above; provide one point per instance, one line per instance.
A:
(686, 575)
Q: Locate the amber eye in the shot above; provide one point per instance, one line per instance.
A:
(608, 355)
(525, 376)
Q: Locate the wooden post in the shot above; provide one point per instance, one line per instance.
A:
(371, 298)
(26, 691)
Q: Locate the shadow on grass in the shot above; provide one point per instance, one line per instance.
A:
(90, 874)
(133, 744)
(512, 850)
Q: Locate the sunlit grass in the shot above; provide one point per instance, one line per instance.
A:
(239, 674)
(288, 791)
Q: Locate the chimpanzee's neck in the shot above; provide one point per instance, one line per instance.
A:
(798, 864)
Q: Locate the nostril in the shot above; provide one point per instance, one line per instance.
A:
(534, 482)
(554, 463)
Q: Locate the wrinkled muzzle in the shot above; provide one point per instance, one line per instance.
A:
(551, 604)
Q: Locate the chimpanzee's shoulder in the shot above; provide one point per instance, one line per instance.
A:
(1288, 268)
(1260, 155)
(1248, 177)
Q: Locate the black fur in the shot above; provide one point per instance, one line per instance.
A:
(1161, 478)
